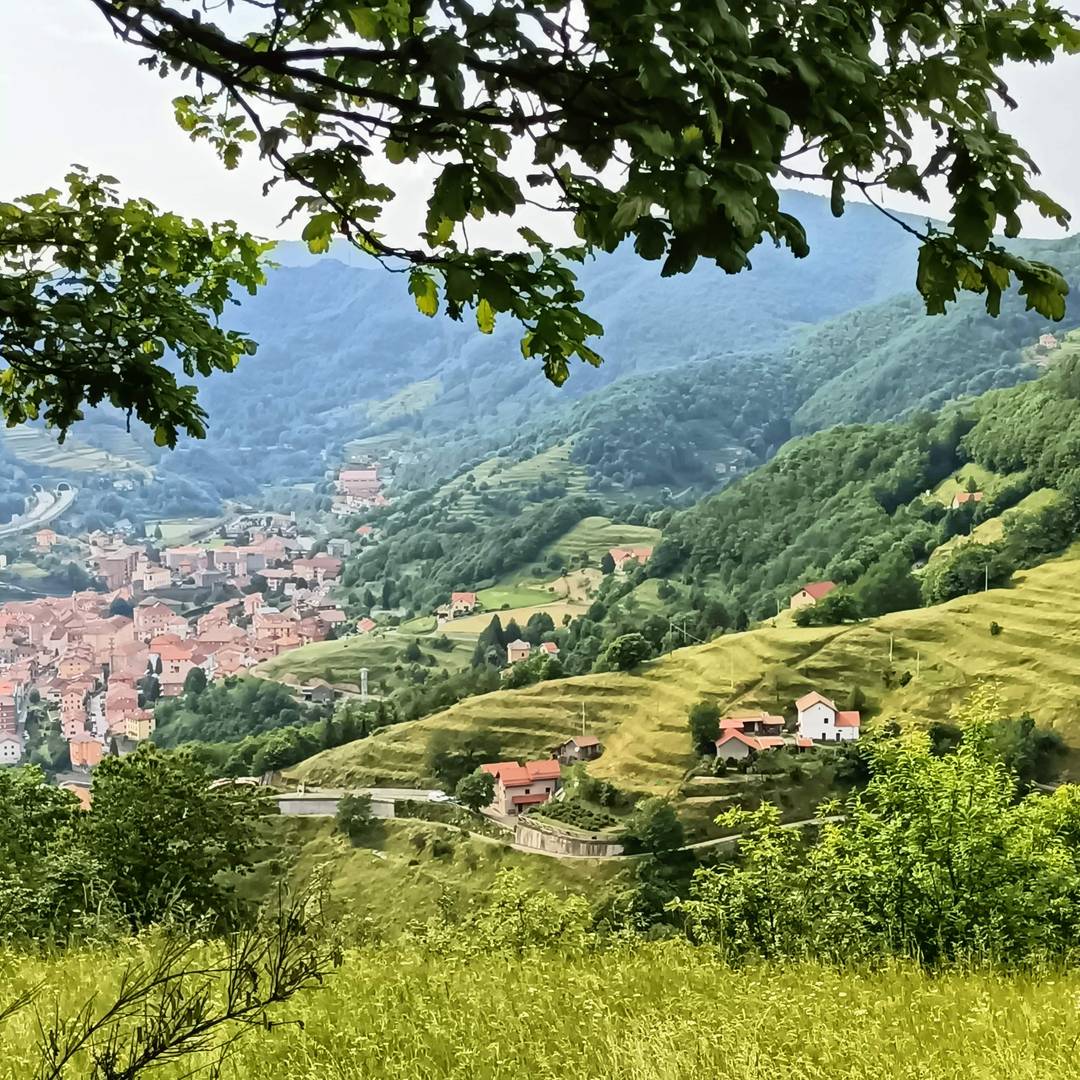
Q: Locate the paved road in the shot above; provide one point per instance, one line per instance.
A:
(291, 804)
(386, 794)
(47, 506)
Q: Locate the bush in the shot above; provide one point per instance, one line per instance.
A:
(577, 814)
(354, 816)
(995, 629)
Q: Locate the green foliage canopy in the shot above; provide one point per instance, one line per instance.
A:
(669, 126)
(95, 291)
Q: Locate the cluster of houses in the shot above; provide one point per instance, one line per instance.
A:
(818, 720)
(87, 662)
(357, 488)
(520, 787)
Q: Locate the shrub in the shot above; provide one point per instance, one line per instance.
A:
(995, 629)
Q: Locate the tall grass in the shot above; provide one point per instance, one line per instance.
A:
(657, 1011)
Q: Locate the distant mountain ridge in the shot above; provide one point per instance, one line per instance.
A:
(701, 371)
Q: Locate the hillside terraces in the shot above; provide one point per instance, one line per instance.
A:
(641, 717)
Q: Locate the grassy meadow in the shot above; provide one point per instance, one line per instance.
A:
(406, 868)
(994, 528)
(641, 717)
(339, 662)
(660, 1011)
(175, 532)
(985, 480)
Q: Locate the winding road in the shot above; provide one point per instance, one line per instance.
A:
(48, 505)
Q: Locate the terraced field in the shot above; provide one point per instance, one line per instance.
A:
(41, 448)
(339, 662)
(498, 474)
(994, 528)
(641, 717)
(595, 535)
(413, 398)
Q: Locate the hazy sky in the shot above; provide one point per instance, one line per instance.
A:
(70, 93)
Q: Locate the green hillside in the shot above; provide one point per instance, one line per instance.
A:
(339, 662)
(406, 867)
(641, 717)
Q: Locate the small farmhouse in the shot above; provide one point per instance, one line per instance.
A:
(517, 650)
(549, 647)
(742, 735)
(821, 721)
(622, 556)
(579, 748)
(517, 787)
(811, 593)
(962, 497)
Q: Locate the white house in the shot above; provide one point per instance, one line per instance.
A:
(822, 721)
(10, 749)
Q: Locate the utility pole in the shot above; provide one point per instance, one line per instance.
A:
(890, 649)
(986, 577)
(583, 718)
(918, 663)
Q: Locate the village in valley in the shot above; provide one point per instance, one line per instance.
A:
(97, 660)
(91, 666)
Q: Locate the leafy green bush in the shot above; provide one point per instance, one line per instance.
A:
(577, 814)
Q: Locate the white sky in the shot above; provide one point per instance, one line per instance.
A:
(70, 93)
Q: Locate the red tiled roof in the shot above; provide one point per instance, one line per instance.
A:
(365, 625)
(755, 742)
(641, 554)
(807, 700)
(962, 497)
(805, 744)
(463, 598)
(585, 740)
(529, 800)
(549, 647)
(737, 723)
(511, 774)
(847, 719)
(818, 589)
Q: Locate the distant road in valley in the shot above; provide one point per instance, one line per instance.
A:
(47, 507)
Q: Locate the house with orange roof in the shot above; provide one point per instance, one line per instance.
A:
(153, 618)
(519, 787)
(184, 559)
(753, 733)
(80, 791)
(811, 593)
(365, 625)
(121, 700)
(85, 750)
(821, 721)
(176, 661)
(129, 659)
(518, 650)
(271, 624)
(44, 539)
(140, 725)
(462, 603)
(230, 660)
(318, 568)
(962, 497)
(622, 556)
(220, 634)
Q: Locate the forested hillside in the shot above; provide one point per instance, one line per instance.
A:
(355, 334)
